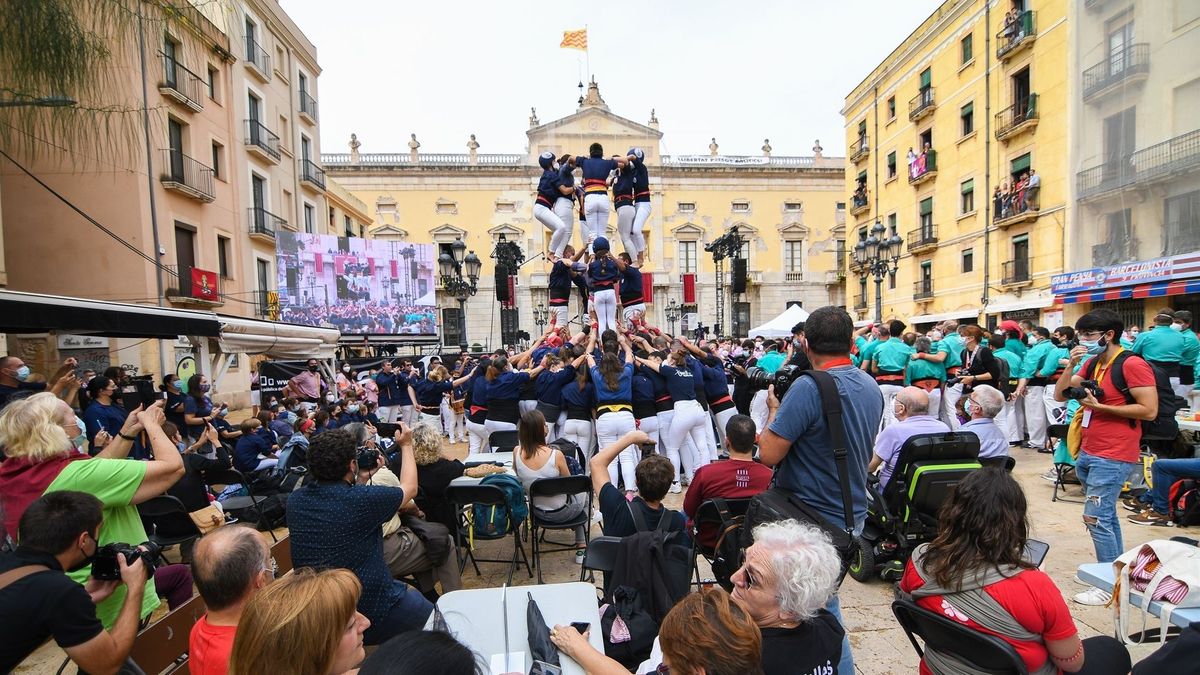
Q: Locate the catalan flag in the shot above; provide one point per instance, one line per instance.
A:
(574, 39)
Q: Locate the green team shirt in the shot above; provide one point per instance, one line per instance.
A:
(1017, 347)
(1160, 344)
(1013, 361)
(1191, 347)
(920, 369)
(892, 356)
(1032, 361)
(952, 348)
(113, 482)
(868, 351)
(1050, 363)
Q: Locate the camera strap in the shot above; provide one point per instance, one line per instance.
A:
(14, 575)
(831, 405)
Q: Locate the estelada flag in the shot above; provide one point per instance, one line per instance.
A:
(574, 39)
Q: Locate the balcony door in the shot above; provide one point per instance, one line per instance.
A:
(185, 251)
(1120, 137)
(305, 153)
(1120, 39)
(170, 75)
(263, 274)
(1020, 249)
(1021, 91)
(175, 139)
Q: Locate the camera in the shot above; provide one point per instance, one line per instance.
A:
(1079, 393)
(368, 458)
(106, 568)
(781, 379)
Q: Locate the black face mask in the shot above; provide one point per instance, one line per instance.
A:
(87, 560)
(312, 369)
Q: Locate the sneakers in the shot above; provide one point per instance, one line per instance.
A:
(676, 488)
(1051, 475)
(1152, 518)
(579, 554)
(1093, 597)
(1081, 582)
(1134, 504)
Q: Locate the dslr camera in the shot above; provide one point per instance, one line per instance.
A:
(368, 458)
(1079, 393)
(106, 568)
(782, 378)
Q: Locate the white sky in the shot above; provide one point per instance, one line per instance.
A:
(739, 71)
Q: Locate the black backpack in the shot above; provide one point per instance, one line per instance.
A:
(1005, 373)
(1164, 425)
(727, 553)
(1183, 502)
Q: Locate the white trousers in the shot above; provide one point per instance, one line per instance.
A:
(758, 410)
(496, 425)
(560, 232)
(558, 315)
(687, 422)
(525, 405)
(1035, 415)
(388, 414)
(596, 208)
(434, 421)
(625, 216)
(605, 303)
(649, 426)
(889, 392)
(477, 438)
(1056, 411)
(639, 224)
(610, 427)
(1015, 428)
(564, 208)
(1181, 390)
(935, 402)
(580, 431)
(722, 419)
(631, 312)
(949, 403)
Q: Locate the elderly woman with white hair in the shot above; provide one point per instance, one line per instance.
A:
(983, 405)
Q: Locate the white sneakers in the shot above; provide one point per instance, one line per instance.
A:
(1093, 597)
(676, 488)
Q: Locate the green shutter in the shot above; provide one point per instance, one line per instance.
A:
(968, 186)
(968, 48)
(1020, 239)
(891, 160)
(926, 78)
(862, 127)
(862, 176)
(968, 110)
(1021, 163)
(927, 206)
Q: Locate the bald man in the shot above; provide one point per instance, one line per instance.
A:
(230, 565)
(913, 416)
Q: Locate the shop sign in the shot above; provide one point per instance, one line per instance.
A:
(1127, 274)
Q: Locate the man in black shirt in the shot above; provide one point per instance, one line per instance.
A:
(798, 358)
(37, 600)
(653, 476)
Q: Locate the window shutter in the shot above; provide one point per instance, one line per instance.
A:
(968, 186)
(1021, 163)
(927, 206)
(926, 78)
(968, 109)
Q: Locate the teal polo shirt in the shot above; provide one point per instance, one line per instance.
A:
(1050, 363)
(868, 351)
(952, 346)
(1160, 344)
(920, 369)
(1191, 347)
(1017, 347)
(771, 361)
(892, 356)
(1032, 361)
(1013, 361)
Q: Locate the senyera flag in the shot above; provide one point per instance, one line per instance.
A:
(574, 39)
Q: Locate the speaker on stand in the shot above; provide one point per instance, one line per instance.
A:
(502, 284)
(738, 282)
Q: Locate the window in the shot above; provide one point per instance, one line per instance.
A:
(218, 152)
(926, 212)
(892, 281)
(891, 221)
(891, 108)
(968, 260)
(506, 207)
(185, 250)
(223, 256)
(170, 64)
(284, 137)
(926, 79)
(211, 83)
(793, 256)
(310, 219)
(793, 207)
(967, 115)
(740, 207)
(348, 225)
(687, 257)
(1019, 166)
(1181, 223)
(687, 207)
(891, 165)
(967, 47)
(302, 82)
(841, 255)
(258, 191)
(263, 273)
(840, 206)
(927, 273)
(968, 196)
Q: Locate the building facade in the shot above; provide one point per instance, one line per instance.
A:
(942, 137)
(788, 208)
(1135, 158)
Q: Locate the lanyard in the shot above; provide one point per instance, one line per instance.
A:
(1104, 368)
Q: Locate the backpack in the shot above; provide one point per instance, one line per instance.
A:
(489, 520)
(1004, 373)
(570, 452)
(656, 562)
(632, 641)
(1164, 425)
(1183, 502)
(727, 553)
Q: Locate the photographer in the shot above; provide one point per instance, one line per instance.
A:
(59, 532)
(1112, 435)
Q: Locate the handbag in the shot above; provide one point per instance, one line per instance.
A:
(776, 504)
(435, 536)
(207, 519)
(1163, 571)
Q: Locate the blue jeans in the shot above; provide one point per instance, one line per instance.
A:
(410, 613)
(846, 664)
(1165, 472)
(1102, 481)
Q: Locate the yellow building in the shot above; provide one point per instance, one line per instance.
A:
(790, 208)
(972, 101)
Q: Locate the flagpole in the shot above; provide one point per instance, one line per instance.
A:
(588, 51)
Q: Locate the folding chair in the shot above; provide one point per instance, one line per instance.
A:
(984, 653)
(503, 441)
(601, 556)
(572, 487)
(464, 497)
(708, 518)
(1054, 433)
(167, 522)
(163, 646)
(249, 501)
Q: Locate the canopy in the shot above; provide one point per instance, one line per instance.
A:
(781, 326)
(275, 339)
(37, 313)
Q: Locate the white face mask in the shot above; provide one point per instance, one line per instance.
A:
(330, 398)
(1032, 340)
(1176, 327)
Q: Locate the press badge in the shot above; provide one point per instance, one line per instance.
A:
(1087, 417)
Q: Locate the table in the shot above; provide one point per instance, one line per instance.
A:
(1101, 576)
(1188, 425)
(505, 458)
(474, 616)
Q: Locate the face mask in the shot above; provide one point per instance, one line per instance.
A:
(1094, 346)
(222, 412)
(312, 369)
(345, 369)
(353, 408)
(22, 373)
(80, 441)
(330, 398)
(205, 387)
(87, 559)
(1177, 327)
(292, 417)
(1032, 340)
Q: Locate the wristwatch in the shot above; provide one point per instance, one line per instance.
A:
(128, 438)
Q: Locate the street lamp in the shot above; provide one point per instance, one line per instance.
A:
(878, 255)
(408, 253)
(672, 311)
(541, 316)
(452, 266)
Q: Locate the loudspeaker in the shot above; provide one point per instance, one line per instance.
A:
(738, 282)
(502, 283)
(413, 271)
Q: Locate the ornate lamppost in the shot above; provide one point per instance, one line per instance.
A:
(541, 316)
(672, 311)
(878, 256)
(452, 267)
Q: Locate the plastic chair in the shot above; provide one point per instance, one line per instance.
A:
(985, 653)
(571, 486)
(464, 497)
(249, 501)
(503, 441)
(167, 521)
(601, 556)
(1056, 432)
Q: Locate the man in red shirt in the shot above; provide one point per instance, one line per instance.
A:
(229, 567)
(738, 477)
(1112, 429)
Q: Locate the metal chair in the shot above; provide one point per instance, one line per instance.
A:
(709, 516)
(464, 497)
(571, 487)
(601, 556)
(1057, 432)
(249, 501)
(985, 653)
(167, 521)
(503, 441)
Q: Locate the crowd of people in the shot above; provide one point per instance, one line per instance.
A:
(364, 316)
(1021, 196)
(371, 529)
(921, 163)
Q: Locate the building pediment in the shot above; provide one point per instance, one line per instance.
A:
(390, 231)
(592, 121)
(793, 231)
(447, 232)
(687, 232)
(509, 231)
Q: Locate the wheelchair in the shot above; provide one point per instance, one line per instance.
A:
(903, 514)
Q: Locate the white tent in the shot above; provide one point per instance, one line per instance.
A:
(781, 326)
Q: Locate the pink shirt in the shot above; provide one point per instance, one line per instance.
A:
(308, 384)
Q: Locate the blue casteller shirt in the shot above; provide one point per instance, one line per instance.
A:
(631, 286)
(623, 186)
(429, 393)
(602, 274)
(595, 173)
(623, 392)
(549, 386)
(681, 383)
(641, 180)
(566, 178)
(335, 525)
(547, 191)
(393, 389)
(808, 469)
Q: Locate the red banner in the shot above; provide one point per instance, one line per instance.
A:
(512, 293)
(339, 265)
(648, 287)
(689, 289)
(395, 265)
(371, 266)
(204, 285)
(317, 261)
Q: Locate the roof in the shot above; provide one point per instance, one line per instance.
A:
(37, 313)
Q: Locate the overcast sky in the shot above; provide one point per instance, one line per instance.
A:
(739, 71)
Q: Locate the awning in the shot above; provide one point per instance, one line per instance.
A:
(780, 326)
(1160, 289)
(937, 318)
(275, 339)
(37, 313)
(1031, 303)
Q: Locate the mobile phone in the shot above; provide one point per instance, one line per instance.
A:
(581, 626)
(647, 448)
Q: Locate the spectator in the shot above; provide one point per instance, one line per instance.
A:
(336, 523)
(59, 531)
(913, 417)
(983, 405)
(281, 423)
(308, 385)
(175, 399)
(798, 358)
(198, 409)
(231, 565)
(253, 451)
(295, 449)
(1033, 188)
(538, 460)
(104, 418)
(303, 624)
(347, 381)
(797, 438)
(1111, 441)
(1152, 507)
(735, 478)
(652, 475)
(434, 473)
(986, 581)
(422, 652)
(16, 377)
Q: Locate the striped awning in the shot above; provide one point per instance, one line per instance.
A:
(1160, 289)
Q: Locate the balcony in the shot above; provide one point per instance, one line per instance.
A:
(835, 277)
(308, 106)
(312, 175)
(193, 286)
(262, 141)
(921, 105)
(1114, 252)
(1016, 274)
(861, 148)
(859, 203)
(257, 60)
(793, 276)
(1120, 69)
(1016, 37)
(923, 239)
(924, 169)
(1182, 236)
(860, 302)
(1018, 118)
(187, 176)
(923, 289)
(264, 224)
(181, 85)
(1159, 162)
